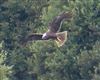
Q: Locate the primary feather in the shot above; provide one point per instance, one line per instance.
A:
(55, 25)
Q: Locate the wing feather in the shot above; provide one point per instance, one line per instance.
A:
(34, 37)
(55, 25)
(31, 37)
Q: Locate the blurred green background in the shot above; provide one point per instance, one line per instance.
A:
(78, 59)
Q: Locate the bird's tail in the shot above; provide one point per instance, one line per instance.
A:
(61, 38)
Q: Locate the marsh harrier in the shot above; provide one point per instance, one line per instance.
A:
(53, 31)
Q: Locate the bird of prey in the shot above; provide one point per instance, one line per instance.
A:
(53, 31)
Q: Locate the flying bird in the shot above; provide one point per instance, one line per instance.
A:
(53, 30)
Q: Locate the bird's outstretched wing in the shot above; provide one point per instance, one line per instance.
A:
(34, 36)
(54, 26)
(31, 37)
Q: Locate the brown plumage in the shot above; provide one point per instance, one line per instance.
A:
(52, 33)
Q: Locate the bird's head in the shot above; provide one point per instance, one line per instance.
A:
(45, 36)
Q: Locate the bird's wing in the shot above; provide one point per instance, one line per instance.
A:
(54, 26)
(34, 37)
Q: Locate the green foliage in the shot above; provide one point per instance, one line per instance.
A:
(5, 71)
(78, 59)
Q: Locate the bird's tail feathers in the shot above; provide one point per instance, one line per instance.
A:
(61, 38)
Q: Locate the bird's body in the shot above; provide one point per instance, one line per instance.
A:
(53, 31)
